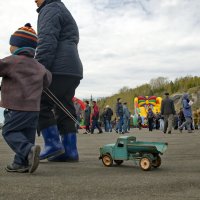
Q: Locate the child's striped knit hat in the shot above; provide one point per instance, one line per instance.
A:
(24, 37)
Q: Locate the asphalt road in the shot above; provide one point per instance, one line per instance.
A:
(178, 178)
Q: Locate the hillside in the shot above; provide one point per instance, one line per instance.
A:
(157, 87)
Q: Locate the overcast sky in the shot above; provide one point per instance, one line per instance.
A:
(122, 42)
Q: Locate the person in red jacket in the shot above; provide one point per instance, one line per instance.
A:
(23, 80)
(95, 118)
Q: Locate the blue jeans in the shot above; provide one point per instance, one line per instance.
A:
(187, 123)
(95, 124)
(125, 124)
(108, 125)
(19, 132)
(161, 124)
(105, 125)
(119, 124)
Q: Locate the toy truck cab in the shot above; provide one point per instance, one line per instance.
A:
(127, 148)
(116, 152)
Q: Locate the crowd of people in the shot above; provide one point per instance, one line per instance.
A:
(120, 119)
(169, 119)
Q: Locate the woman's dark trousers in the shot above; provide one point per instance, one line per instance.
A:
(63, 87)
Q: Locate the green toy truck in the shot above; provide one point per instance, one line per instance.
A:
(127, 148)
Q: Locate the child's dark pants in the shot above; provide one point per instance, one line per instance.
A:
(19, 132)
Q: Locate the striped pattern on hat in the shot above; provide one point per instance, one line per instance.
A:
(24, 37)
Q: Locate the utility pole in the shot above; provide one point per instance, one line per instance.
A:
(91, 99)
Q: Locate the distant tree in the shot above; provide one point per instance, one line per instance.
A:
(124, 89)
(159, 82)
(171, 88)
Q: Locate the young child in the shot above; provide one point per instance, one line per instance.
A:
(22, 84)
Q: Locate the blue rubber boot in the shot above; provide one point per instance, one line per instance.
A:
(69, 142)
(60, 158)
(71, 152)
(52, 144)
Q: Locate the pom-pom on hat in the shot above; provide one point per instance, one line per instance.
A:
(24, 37)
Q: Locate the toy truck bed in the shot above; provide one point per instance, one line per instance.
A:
(150, 147)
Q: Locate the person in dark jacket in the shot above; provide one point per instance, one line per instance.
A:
(150, 117)
(87, 113)
(108, 116)
(23, 81)
(103, 119)
(175, 123)
(168, 111)
(58, 38)
(139, 121)
(119, 116)
(157, 120)
(181, 117)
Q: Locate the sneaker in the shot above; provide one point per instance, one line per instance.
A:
(17, 168)
(34, 158)
(116, 131)
(180, 129)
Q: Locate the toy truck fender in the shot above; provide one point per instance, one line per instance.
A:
(106, 149)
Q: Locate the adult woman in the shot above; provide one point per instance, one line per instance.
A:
(58, 38)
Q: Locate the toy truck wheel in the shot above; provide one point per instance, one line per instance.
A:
(157, 162)
(118, 162)
(107, 160)
(145, 163)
